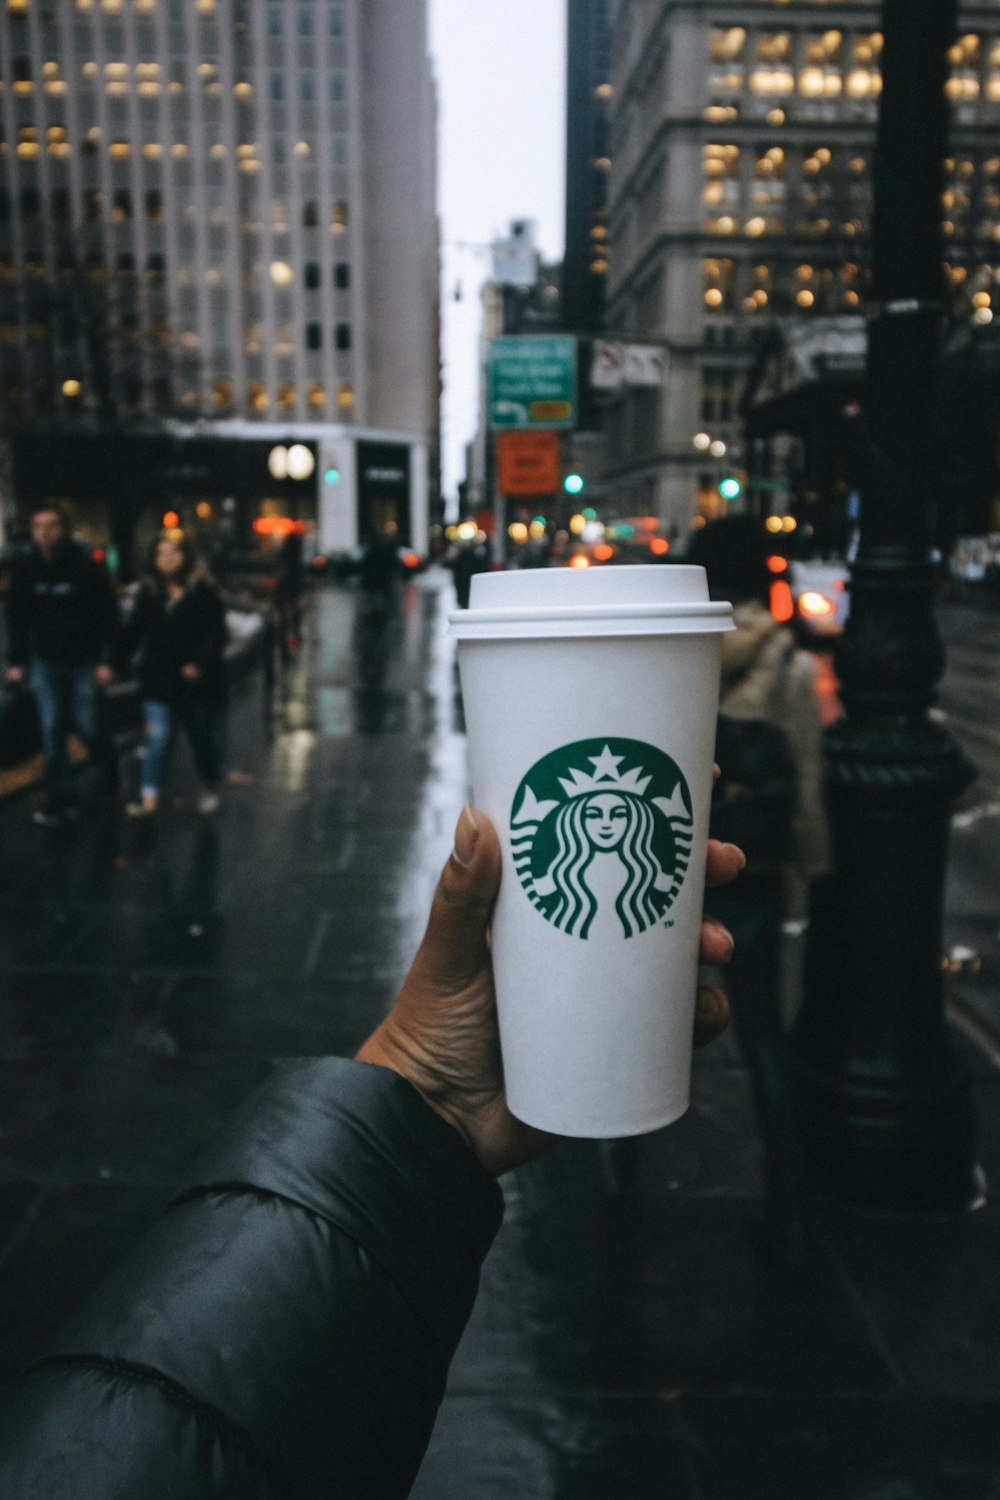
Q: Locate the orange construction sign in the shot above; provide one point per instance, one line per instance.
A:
(528, 463)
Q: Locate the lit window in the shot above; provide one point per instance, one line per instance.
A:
(345, 395)
(282, 273)
(286, 396)
(317, 395)
(338, 217)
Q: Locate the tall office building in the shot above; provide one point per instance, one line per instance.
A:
(223, 211)
(741, 151)
(588, 162)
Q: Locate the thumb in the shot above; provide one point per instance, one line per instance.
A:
(454, 947)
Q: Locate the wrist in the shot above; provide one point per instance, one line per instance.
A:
(384, 1050)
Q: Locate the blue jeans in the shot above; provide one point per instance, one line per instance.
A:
(202, 725)
(67, 698)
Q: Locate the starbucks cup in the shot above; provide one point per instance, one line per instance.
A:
(590, 701)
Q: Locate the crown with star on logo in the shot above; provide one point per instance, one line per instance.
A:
(605, 777)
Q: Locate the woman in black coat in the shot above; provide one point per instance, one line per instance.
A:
(177, 629)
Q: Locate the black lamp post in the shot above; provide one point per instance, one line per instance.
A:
(885, 1107)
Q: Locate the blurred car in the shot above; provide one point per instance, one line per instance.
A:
(633, 539)
(811, 596)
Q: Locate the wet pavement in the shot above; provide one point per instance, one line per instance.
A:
(630, 1340)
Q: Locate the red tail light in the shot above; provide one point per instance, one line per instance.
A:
(782, 604)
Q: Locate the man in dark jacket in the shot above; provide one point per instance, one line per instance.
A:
(284, 1333)
(62, 625)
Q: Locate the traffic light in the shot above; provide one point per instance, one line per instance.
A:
(730, 488)
(573, 483)
(332, 475)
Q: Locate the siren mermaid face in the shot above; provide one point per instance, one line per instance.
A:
(605, 820)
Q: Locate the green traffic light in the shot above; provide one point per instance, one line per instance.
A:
(332, 476)
(573, 484)
(730, 489)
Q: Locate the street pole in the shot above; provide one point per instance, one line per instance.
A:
(885, 1109)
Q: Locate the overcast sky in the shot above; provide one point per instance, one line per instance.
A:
(501, 74)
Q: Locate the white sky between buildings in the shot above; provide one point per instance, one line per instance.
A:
(501, 75)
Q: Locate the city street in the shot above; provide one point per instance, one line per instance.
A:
(629, 1340)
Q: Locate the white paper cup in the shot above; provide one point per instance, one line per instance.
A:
(590, 702)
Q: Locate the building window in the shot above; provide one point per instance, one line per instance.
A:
(310, 214)
(317, 395)
(306, 21)
(276, 88)
(720, 285)
(342, 275)
(312, 275)
(338, 91)
(154, 204)
(336, 20)
(307, 86)
(343, 336)
(286, 396)
(274, 18)
(122, 209)
(340, 149)
(257, 396)
(338, 217)
(314, 336)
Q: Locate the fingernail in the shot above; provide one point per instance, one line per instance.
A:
(743, 858)
(723, 932)
(466, 836)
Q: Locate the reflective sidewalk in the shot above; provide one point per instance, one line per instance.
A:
(629, 1342)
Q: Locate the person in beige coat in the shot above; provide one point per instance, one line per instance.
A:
(769, 800)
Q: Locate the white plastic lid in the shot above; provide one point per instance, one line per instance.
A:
(664, 599)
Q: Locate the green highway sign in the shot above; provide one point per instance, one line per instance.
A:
(531, 381)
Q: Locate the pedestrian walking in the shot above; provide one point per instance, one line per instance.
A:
(469, 559)
(63, 631)
(768, 799)
(176, 633)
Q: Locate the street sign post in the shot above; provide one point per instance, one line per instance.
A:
(531, 382)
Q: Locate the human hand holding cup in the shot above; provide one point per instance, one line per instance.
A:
(442, 1033)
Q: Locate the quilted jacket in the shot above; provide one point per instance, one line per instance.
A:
(285, 1330)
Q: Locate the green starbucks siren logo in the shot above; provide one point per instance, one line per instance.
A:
(602, 823)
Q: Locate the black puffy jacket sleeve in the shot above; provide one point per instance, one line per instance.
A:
(285, 1329)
